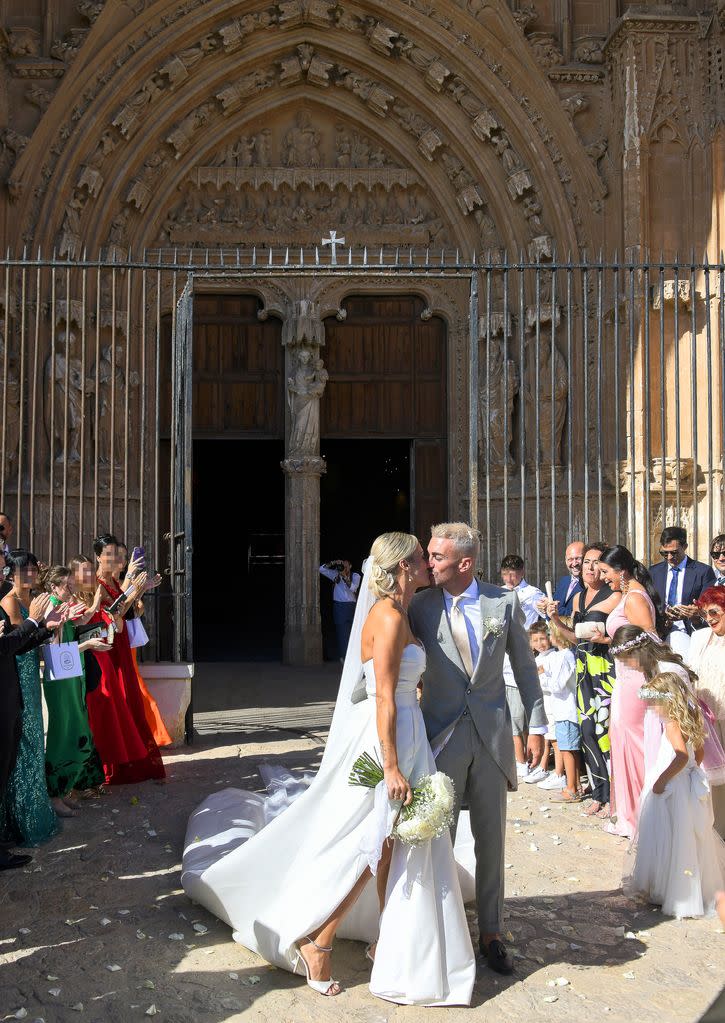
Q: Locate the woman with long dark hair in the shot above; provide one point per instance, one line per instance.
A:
(115, 706)
(27, 817)
(639, 605)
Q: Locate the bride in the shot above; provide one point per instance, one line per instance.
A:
(288, 882)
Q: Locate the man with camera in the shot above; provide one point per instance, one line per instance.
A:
(346, 584)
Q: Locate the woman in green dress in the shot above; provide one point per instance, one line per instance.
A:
(26, 818)
(72, 764)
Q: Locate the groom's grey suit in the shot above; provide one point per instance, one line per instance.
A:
(479, 755)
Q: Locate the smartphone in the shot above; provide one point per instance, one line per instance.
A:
(139, 554)
(113, 608)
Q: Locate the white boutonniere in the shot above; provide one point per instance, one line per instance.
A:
(492, 627)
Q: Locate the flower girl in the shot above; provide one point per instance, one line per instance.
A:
(677, 854)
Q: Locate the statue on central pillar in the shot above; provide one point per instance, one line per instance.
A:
(304, 390)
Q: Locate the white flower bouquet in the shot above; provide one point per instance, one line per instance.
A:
(430, 812)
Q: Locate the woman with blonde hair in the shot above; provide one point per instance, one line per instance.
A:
(677, 863)
(327, 865)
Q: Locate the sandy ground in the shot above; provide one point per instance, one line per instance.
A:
(98, 928)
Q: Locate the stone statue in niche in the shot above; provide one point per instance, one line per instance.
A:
(304, 391)
(301, 145)
(61, 395)
(106, 396)
(11, 412)
(552, 407)
(497, 396)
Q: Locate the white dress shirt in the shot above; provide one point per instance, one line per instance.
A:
(529, 596)
(470, 605)
(343, 592)
(677, 624)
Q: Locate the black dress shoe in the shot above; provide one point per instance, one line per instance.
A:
(9, 861)
(496, 956)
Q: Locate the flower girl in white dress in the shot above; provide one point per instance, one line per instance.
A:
(677, 854)
(290, 876)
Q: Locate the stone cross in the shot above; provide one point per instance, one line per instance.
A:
(333, 241)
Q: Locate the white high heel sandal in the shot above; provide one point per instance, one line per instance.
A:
(322, 987)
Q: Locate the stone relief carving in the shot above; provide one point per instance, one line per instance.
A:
(552, 407)
(546, 49)
(63, 393)
(590, 50)
(11, 412)
(497, 396)
(113, 386)
(304, 390)
(303, 324)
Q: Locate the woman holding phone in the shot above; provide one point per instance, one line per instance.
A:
(123, 738)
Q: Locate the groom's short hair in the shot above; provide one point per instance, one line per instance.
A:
(465, 538)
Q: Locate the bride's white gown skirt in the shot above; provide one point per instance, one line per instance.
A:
(276, 876)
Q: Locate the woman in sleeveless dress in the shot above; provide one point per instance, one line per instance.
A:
(325, 866)
(27, 817)
(639, 605)
(115, 706)
(594, 674)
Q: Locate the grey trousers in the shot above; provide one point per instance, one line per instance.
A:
(479, 779)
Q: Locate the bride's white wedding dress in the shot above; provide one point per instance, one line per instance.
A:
(275, 877)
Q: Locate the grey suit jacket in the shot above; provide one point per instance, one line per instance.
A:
(448, 692)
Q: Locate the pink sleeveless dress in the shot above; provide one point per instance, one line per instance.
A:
(627, 733)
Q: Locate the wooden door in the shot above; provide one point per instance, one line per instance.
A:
(387, 371)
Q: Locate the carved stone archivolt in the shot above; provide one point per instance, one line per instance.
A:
(309, 65)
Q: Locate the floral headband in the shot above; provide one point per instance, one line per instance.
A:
(645, 693)
(631, 645)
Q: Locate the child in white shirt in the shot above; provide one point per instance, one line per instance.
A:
(557, 675)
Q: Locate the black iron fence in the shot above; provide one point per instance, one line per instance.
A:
(595, 398)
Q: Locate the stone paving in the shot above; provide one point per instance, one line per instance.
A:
(98, 929)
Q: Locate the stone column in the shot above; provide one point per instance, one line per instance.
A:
(303, 335)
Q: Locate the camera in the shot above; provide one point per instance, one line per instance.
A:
(338, 566)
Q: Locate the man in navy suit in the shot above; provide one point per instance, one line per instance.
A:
(569, 585)
(679, 581)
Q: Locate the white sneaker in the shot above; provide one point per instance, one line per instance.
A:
(521, 770)
(556, 782)
(536, 776)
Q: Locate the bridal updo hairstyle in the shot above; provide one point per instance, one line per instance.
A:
(386, 553)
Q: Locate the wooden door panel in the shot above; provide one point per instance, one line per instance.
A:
(431, 486)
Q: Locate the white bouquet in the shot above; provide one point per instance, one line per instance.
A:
(430, 812)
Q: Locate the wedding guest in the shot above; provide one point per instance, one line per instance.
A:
(512, 578)
(717, 554)
(639, 605)
(679, 581)
(557, 671)
(5, 586)
(127, 574)
(14, 640)
(344, 595)
(541, 646)
(595, 674)
(115, 706)
(29, 818)
(676, 863)
(6, 533)
(570, 584)
(706, 657)
(72, 765)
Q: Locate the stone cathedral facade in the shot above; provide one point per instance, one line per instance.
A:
(509, 130)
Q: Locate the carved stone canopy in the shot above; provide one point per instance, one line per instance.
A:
(304, 324)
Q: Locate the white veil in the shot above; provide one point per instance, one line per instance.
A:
(352, 680)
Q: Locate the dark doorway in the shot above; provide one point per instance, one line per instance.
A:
(238, 550)
(365, 491)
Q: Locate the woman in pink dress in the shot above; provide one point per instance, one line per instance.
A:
(640, 605)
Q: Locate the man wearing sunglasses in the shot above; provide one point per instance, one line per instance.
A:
(680, 581)
(717, 553)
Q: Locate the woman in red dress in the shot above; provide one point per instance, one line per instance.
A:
(116, 710)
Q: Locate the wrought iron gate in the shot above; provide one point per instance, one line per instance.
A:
(594, 392)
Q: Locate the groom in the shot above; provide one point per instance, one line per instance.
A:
(466, 628)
